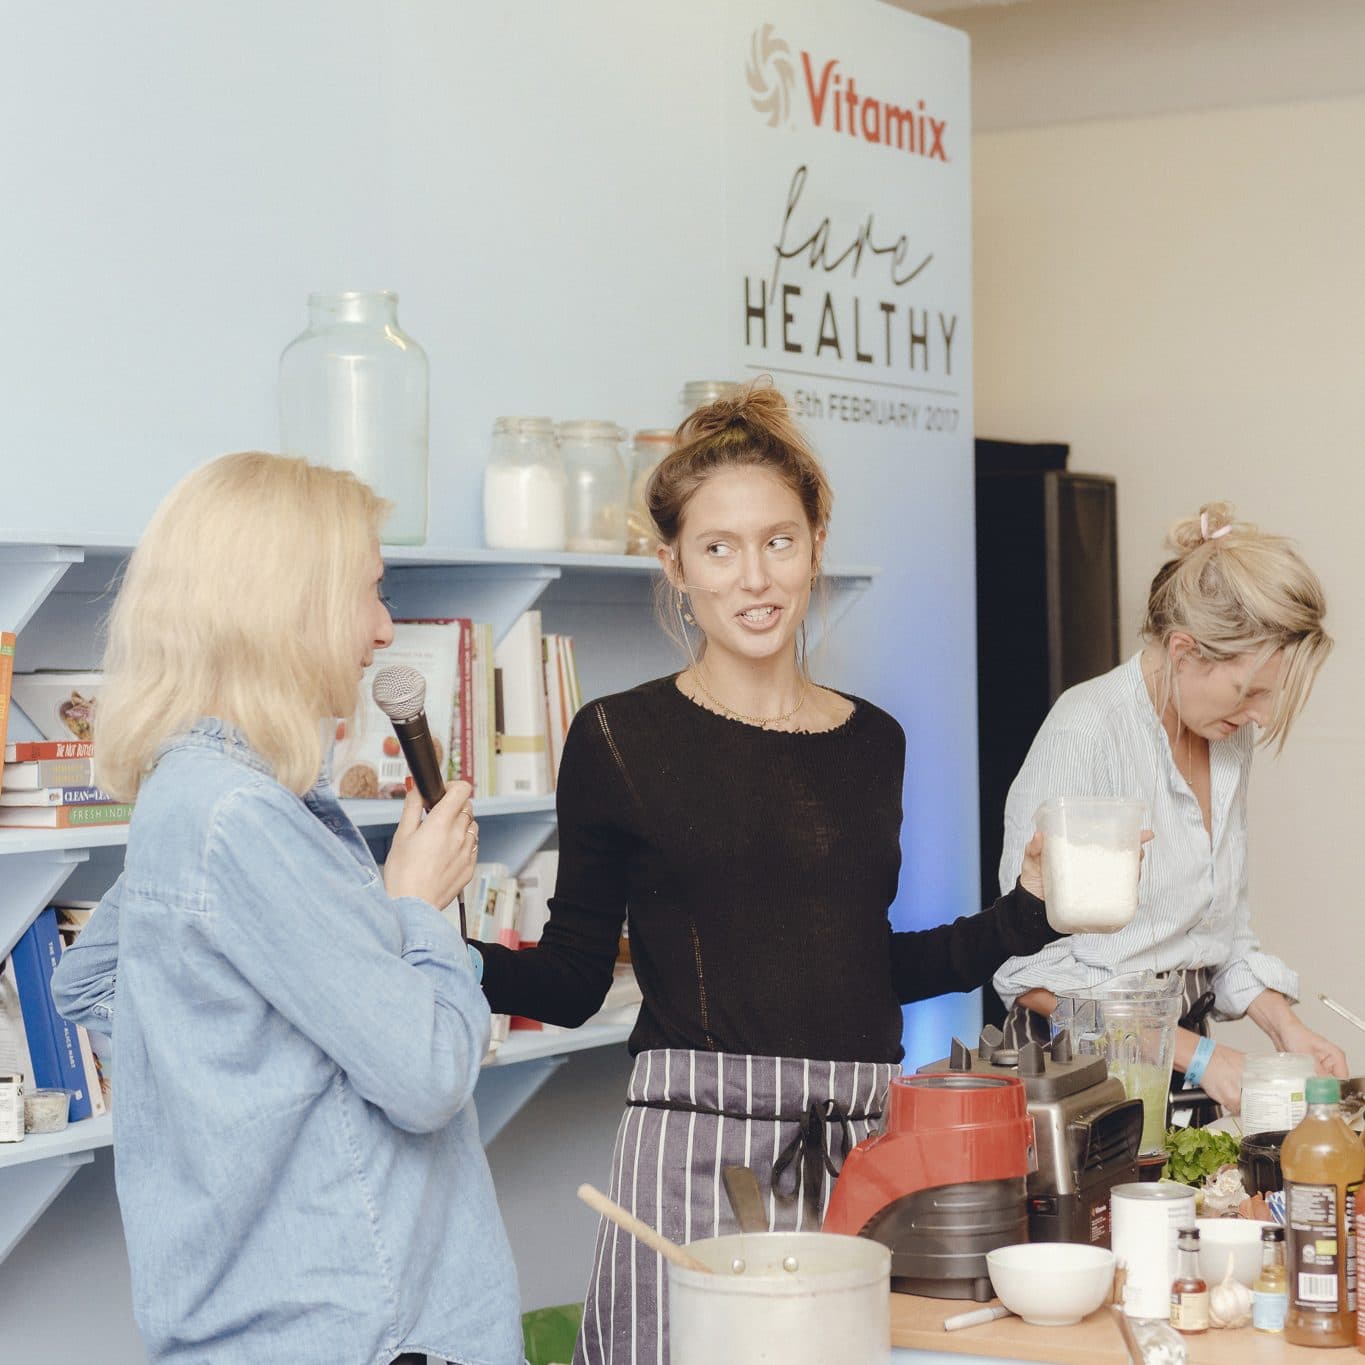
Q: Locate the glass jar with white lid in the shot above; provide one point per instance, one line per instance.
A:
(597, 487)
(1273, 1090)
(525, 491)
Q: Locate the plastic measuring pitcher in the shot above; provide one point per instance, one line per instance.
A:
(1130, 1021)
(1092, 853)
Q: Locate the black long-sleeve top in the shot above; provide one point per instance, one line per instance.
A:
(756, 868)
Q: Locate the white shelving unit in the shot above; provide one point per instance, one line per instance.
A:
(57, 588)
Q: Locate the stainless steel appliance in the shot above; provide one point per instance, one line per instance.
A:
(1088, 1131)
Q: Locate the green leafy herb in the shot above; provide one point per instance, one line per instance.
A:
(1195, 1153)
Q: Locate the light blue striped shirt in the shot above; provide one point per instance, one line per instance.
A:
(1103, 738)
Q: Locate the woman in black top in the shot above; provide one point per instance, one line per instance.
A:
(746, 821)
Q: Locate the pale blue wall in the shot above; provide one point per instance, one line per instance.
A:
(180, 177)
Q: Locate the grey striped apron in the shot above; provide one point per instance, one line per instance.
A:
(689, 1115)
(1022, 1024)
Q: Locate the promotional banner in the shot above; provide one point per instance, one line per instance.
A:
(848, 196)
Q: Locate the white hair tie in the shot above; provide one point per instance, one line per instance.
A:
(1206, 534)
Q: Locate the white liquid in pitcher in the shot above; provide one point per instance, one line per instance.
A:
(1089, 888)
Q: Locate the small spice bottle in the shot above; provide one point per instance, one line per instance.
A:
(1189, 1291)
(1270, 1293)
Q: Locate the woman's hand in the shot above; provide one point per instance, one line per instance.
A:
(1330, 1060)
(1222, 1078)
(1031, 873)
(1274, 1016)
(433, 858)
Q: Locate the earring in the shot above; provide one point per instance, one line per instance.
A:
(686, 615)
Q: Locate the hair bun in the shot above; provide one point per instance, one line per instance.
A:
(758, 404)
(1213, 521)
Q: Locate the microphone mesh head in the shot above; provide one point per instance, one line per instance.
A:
(399, 691)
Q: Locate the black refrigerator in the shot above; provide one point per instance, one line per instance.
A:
(1046, 613)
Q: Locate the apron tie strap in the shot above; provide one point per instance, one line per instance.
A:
(808, 1157)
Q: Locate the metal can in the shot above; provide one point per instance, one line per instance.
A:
(1146, 1218)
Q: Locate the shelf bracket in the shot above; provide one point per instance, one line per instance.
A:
(26, 1192)
(497, 593)
(841, 595)
(31, 880)
(28, 573)
(503, 1091)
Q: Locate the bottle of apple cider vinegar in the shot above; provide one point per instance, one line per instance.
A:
(1323, 1163)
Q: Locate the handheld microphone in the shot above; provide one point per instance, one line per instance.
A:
(400, 692)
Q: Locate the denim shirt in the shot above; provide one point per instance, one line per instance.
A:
(296, 1151)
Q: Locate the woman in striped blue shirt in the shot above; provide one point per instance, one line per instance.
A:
(1233, 643)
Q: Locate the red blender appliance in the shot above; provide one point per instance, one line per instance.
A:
(944, 1183)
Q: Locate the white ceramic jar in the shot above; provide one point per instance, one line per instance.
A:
(524, 488)
(597, 487)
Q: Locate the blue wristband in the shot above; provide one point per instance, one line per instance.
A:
(1194, 1073)
(476, 961)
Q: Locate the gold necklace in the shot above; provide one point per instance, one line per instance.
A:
(761, 721)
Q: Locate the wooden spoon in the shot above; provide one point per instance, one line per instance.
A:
(670, 1251)
(746, 1199)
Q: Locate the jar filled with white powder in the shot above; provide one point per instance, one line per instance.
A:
(1092, 854)
(524, 487)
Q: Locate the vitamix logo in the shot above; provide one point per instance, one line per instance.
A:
(769, 73)
(834, 102)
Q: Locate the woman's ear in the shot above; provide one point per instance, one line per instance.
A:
(818, 551)
(1181, 646)
(668, 561)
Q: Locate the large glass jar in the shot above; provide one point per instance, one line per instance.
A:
(353, 395)
(697, 393)
(597, 481)
(524, 489)
(651, 446)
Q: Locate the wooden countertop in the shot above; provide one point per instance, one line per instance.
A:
(917, 1323)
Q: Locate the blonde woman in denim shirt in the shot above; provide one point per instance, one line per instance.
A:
(296, 1033)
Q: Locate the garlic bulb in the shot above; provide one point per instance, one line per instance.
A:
(1229, 1302)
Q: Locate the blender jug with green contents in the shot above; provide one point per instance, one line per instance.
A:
(1130, 1021)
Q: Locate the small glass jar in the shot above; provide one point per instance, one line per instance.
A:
(598, 487)
(697, 393)
(353, 395)
(524, 488)
(46, 1111)
(651, 446)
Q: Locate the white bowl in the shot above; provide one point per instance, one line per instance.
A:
(1052, 1284)
(1220, 1238)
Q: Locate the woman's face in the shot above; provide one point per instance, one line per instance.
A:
(1217, 699)
(374, 625)
(745, 556)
